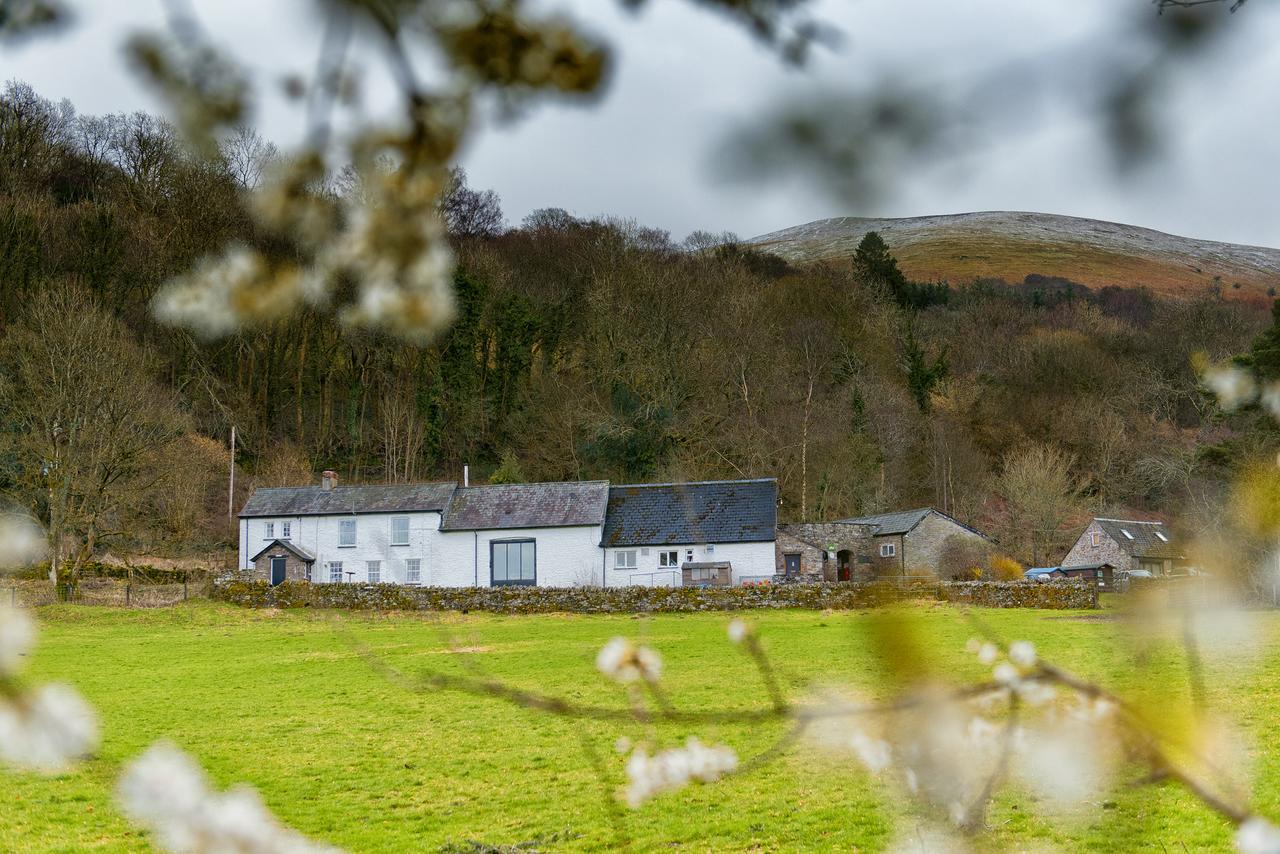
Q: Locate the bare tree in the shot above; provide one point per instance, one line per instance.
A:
(1040, 494)
(468, 212)
(247, 155)
(87, 422)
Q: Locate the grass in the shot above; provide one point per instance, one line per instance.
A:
(282, 700)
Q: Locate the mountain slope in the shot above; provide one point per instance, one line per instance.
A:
(1011, 245)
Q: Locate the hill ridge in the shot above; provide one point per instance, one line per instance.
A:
(1010, 245)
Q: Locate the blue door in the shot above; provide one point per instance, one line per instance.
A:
(277, 570)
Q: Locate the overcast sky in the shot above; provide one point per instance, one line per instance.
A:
(685, 78)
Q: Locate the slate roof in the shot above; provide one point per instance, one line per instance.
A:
(1144, 542)
(718, 511)
(893, 523)
(526, 505)
(904, 521)
(317, 501)
(299, 551)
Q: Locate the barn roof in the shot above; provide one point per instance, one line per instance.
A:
(719, 511)
(526, 505)
(893, 523)
(318, 501)
(1141, 539)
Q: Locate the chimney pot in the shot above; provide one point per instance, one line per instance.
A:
(328, 480)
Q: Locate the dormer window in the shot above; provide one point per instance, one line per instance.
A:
(1162, 537)
(1126, 533)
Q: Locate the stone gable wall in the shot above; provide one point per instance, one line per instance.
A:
(812, 539)
(1084, 553)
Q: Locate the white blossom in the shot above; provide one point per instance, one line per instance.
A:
(874, 753)
(47, 729)
(1006, 674)
(988, 653)
(1233, 386)
(223, 292)
(623, 661)
(1270, 399)
(17, 636)
(21, 541)
(167, 792)
(1258, 836)
(670, 770)
(738, 631)
(1023, 654)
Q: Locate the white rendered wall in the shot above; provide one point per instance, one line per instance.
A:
(750, 561)
(319, 535)
(564, 557)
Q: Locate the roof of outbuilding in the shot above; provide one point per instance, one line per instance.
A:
(893, 523)
(299, 551)
(1143, 539)
(318, 501)
(526, 505)
(904, 521)
(717, 511)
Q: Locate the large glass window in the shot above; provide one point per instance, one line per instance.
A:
(668, 558)
(399, 530)
(413, 570)
(625, 559)
(347, 532)
(375, 572)
(335, 572)
(512, 562)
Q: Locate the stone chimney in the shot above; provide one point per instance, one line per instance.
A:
(328, 480)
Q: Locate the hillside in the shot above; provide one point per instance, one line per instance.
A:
(1012, 245)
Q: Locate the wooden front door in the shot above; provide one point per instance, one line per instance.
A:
(792, 565)
(277, 570)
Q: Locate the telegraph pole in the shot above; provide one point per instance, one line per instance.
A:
(231, 481)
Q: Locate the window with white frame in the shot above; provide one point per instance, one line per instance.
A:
(375, 572)
(888, 550)
(335, 572)
(1093, 538)
(624, 559)
(669, 559)
(269, 532)
(286, 529)
(688, 555)
(346, 532)
(399, 530)
(413, 570)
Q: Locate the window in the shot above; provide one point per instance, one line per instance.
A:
(1162, 537)
(413, 571)
(512, 562)
(286, 528)
(335, 572)
(270, 531)
(375, 572)
(669, 559)
(688, 555)
(624, 559)
(399, 530)
(1126, 533)
(347, 532)
(1093, 538)
(888, 550)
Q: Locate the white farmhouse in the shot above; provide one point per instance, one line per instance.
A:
(673, 534)
(549, 534)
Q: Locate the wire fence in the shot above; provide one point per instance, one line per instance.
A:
(111, 592)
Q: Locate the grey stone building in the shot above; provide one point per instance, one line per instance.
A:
(916, 542)
(1128, 544)
(825, 551)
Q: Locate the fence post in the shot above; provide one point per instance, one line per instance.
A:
(184, 585)
(128, 593)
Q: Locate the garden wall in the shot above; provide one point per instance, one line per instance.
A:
(625, 600)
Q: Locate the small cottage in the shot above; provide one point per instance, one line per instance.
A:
(1128, 545)
(914, 542)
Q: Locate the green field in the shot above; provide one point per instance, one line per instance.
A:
(284, 701)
